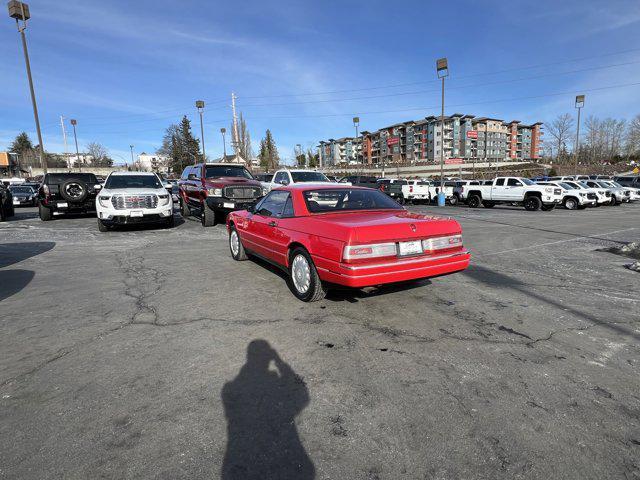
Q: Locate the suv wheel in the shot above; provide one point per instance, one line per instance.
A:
(454, 200)
(532, 203)
(184, 208)
(303, 277)
(570, 204)
(235, 245)
(474, 201)
(102, 227)
(207, 216)
(45, 213)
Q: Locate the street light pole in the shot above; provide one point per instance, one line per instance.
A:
(442, 70)
(224, 144)
(74, 122)
(20, 12)
(579, 105)
(200, 107)
(132, 161)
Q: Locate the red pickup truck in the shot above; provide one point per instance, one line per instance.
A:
(214, 189)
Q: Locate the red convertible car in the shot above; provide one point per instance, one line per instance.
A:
(344, 235)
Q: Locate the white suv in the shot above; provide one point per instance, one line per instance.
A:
(289, 176)
(573, 197)
(133, 197)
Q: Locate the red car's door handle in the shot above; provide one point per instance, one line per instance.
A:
(272, 223)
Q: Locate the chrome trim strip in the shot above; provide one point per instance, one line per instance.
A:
(421, 259)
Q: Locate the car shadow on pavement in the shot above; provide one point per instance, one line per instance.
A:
(353, 295)
(11, 253)
(13, 281)
(260, 405)
(339, 293)
(496, 279)
(22, 215)
(141, 227)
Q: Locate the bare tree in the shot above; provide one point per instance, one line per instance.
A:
(561, 129)
(99, 155)
(244, 140)
(632, 140)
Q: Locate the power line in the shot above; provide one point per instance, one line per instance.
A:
(419, 92)
(495, 72)
(410, 109)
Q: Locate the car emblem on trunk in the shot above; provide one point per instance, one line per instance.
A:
(412, 227)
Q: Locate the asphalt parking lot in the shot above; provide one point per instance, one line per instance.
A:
(145, 353)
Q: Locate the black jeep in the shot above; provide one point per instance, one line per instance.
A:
(62, 193)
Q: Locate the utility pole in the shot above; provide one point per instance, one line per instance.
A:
(236, 138)
(579, 105)
(20, 12)
(64, 138)
(75, 136)
(132, 161)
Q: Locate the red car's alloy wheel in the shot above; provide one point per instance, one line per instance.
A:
(305, 282)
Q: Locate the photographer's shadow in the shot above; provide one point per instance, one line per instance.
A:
(261, 405)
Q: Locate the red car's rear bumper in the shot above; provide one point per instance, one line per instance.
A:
(400, 270)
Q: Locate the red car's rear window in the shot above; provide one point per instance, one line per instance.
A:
(343, 199)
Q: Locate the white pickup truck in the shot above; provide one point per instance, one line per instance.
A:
(417, 191)
(517, 190)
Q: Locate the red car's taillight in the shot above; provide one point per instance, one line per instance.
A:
(373, 250)
(436, 244)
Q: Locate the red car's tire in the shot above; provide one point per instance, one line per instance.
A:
(304, 281)
(235, 245)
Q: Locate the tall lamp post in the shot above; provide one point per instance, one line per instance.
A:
(579, 105)
(442, 69)
(224, 144)
(74, 122)
(20, 12)
(132, 161)
(297, 152)
(356, 123)
(200, 107)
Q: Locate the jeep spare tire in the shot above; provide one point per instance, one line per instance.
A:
(74, 190)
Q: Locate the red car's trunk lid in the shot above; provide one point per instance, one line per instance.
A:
(385, 226)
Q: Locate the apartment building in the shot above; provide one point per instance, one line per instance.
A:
(465, 136)
(341, 150)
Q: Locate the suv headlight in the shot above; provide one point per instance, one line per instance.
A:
(264, 191)
(164, 200)
(214, 192)
(104, 200)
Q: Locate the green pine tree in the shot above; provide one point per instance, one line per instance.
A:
(21, 144)
(269, 158)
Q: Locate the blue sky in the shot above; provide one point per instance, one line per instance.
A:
(125, 70)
